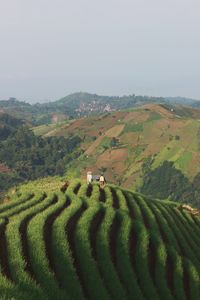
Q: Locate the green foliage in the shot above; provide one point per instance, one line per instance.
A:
(107, 268)
(8, 125)
(168, 182)
(154, 116)
(66, 272)
(184, 160)
(38, 252)
(32, 157)
(133, 127)
(104, 145)
(88, 243)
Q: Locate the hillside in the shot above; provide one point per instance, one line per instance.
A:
(81, 104)
(24, 156)
(85, 243)
(8, 125)
(154, 148)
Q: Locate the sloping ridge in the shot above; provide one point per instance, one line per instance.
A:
(98, 244)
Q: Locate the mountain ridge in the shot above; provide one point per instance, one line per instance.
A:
(82, 104)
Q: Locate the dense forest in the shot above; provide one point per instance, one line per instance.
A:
(8, 125)
(168, 182)
(30, 157)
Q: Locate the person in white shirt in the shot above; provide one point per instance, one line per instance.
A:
(89, 177)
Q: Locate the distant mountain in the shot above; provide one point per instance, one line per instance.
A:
(182, 101)
(13, 103)
(82, 104)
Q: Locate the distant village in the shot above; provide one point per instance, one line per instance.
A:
(94, 106)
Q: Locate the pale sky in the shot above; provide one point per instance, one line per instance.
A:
(50, 48)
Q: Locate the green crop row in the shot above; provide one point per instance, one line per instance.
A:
(15, 202)
(89, 243)
(62, 254)
(104, 256)
(22, 206)
(38, 251)
(158, 250)
(174, 259)
(92, 280)
(123, 253)
(185, 250)
(17, 263)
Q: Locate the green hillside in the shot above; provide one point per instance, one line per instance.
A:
(153, 149)
(81, 242)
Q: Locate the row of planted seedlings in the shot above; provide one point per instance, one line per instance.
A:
(8, 215)
(139, 245)
(112, 261)
(186, 271)
(93, 193)
(15, 202)
(182, 235)
(82, 192)
(98, 243)
(194, 220)
(22, 206)
(191, 232)
(191, 219)
(92, 281)
(105, 251)
(189, 275)
(76, 185)
(17, 262)
(190, 257)
(123, 249)
(9, 290)
(39, 240)
(88, 270)
(174, 258)
(192, 240)
(156, 251)
(62, 247)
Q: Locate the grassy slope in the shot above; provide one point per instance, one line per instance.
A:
(152, 133)
(83, 242)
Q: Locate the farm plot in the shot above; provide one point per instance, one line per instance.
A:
(84, 242)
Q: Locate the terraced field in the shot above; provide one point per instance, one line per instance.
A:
(86, 243)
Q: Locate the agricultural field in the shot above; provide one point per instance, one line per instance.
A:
(77, 241)
(121, 142)
(132, 146)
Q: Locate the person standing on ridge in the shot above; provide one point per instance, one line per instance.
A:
(89, 177)
(102, 181)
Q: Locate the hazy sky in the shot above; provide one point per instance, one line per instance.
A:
(50, 48)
